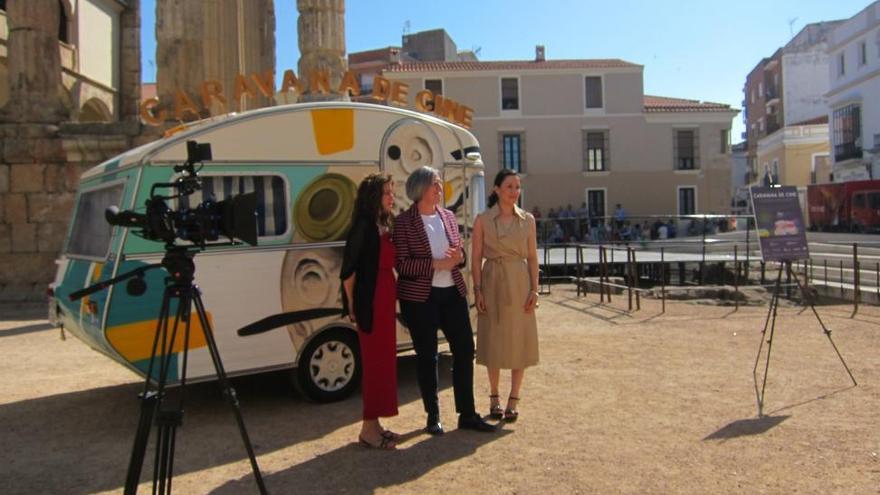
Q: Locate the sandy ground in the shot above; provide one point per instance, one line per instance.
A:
(621, 403)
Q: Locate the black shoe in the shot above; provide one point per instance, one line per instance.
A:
(433, 426)
(474, 422)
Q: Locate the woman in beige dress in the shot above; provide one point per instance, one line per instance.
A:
(505, 287)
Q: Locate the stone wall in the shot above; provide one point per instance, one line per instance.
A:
(39, 173)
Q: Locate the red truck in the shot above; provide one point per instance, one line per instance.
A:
(844, 206)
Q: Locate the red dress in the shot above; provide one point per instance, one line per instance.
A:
(379, 347)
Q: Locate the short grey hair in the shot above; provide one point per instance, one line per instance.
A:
(420, 180)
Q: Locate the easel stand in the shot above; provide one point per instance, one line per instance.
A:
(770, 323)
(157, 404)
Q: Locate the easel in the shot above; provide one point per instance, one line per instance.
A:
(771, 323)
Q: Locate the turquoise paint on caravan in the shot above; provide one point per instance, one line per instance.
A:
(315, 155)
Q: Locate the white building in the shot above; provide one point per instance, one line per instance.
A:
(854, 96)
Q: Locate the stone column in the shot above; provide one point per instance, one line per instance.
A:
(130, 79)
(199, 41)
(34, 63)
(321, 33)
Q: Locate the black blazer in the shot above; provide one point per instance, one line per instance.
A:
(362, 259)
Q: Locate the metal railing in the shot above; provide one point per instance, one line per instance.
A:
(637, 265)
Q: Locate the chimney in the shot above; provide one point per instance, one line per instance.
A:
(539, 53)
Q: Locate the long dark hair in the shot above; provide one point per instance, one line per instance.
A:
(499, 179)
(368, 202)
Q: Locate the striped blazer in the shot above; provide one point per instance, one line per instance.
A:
(414, 261)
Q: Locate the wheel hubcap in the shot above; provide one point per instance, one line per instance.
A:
(332, 366)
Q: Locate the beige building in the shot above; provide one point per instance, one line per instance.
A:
(584, 131)
(92, 50)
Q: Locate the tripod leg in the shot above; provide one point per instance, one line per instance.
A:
(825, 329)
(771, 317)
(227, 389)
(150, 401)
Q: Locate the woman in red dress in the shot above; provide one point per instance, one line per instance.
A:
(370, 295)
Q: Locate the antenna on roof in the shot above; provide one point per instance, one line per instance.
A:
(791, 26)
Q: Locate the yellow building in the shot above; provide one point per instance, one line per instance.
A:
(796, 155)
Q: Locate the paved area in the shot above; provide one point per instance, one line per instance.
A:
(621, 403)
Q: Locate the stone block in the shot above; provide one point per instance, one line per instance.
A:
(55, 207)
(24, 238)
(54, 179)
(48, 150)
(15, 208)
(50, 237)
(4, 178)
(18, 150)
(72, 174)
(27, 269)
(26, 177)
(5, 239)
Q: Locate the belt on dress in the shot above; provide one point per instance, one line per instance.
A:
(501, 283)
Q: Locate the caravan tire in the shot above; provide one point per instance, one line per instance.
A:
(329, 368)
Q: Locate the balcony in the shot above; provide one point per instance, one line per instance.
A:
(846, 151)
(772, 94)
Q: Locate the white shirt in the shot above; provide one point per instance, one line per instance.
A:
(439, 245)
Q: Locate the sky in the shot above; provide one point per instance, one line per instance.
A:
(695, 49)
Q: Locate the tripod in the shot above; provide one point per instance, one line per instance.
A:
(157, 405)
(771, 323)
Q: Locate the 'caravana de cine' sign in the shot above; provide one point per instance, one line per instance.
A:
(385, 91)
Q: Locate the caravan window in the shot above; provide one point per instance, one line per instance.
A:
(271, 202)
(90, 234)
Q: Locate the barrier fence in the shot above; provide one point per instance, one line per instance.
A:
(713, 250)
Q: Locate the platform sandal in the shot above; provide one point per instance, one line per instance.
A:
(511, 414)
(495, 411)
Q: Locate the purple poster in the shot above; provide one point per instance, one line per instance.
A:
(779, 223)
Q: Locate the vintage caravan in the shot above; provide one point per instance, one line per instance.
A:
(304, 162)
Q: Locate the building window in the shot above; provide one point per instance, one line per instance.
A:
(863, 53)
(596, 202)
(685, 150)
(841, 64)
(596, 151)
(509, 93)
(760, 90)
(847, 132)
(725, 140)
(687, 200)
(512, 151)
(593, 87)
(434, 86)
(753, 95)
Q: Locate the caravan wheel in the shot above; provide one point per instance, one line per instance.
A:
(330, 366)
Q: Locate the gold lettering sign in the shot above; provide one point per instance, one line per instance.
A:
(385, 91)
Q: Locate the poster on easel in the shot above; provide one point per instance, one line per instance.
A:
(779, 223)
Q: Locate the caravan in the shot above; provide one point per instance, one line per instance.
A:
(304, 162)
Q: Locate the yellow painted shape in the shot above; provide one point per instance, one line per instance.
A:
(96, 272)
(135, 340)
(447, 191)
(333, 129)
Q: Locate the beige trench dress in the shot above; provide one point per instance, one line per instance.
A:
(507, 336)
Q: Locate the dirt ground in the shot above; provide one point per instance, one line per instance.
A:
(621, 403)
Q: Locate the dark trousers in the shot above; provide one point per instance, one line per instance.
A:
(447, 310)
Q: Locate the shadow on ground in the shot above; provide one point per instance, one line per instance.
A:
(353, 468)
(91, 431)
(747, 427)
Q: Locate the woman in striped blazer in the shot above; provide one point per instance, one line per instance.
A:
(433, 295)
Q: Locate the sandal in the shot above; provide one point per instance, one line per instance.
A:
(511, 414)
(385, 444)
(495, 411)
